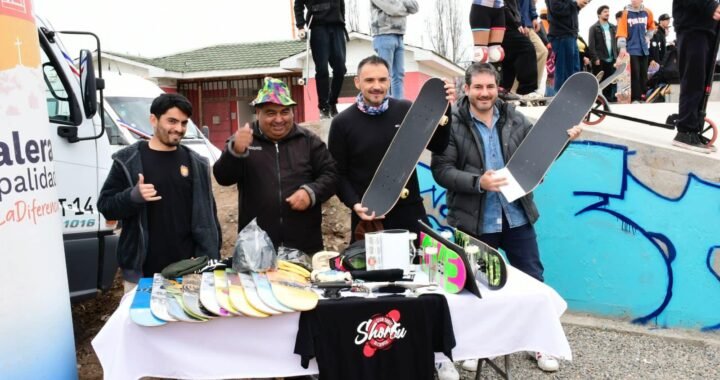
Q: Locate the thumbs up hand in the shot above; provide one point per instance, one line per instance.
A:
(147, 190)
(243, 139)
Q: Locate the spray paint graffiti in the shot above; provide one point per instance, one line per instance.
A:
(613, 246)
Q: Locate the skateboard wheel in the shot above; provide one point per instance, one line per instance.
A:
(444, 120)
(404, 193)
(301, 81)
(706, 132)
(593, 118)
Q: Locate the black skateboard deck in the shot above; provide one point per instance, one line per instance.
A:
(404, 151)
(492, 268)
(546, 140)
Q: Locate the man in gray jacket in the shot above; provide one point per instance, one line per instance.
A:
(484, 134)
(388, 28)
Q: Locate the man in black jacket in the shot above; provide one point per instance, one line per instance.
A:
(563, 18)
(602, 48)
(161, 191)
(484, 134)
(326, 19)
(360, 136)
(696, 26)
(658, 43)
(283, 172)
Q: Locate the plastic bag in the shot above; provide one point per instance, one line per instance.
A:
(254, 251)
(295, 256)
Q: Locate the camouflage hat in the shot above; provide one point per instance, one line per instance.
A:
(273, 91)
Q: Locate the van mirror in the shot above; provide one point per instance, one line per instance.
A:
(88, 83)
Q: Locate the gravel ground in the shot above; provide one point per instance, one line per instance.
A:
(624, 351)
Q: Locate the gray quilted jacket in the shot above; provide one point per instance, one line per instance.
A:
(461, 165)
(389, 16)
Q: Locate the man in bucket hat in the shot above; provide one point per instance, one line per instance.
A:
(283, 172)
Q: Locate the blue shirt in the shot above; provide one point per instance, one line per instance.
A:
(495, 203)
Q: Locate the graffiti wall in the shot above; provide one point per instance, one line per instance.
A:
(613, 246)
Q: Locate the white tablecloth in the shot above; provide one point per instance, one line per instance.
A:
(523, 316)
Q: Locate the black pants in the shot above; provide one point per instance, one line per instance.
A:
(519, 62)
(608, 68)
(520, 247)
(328, 46)
(638, 76)
(694, 60)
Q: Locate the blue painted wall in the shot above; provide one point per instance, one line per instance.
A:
(613, 246)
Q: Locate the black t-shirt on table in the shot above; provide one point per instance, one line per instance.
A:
(383, 338)
(169, 219)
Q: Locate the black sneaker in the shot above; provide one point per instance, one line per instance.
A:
(333, 110)
(325, 112)
(690, 141)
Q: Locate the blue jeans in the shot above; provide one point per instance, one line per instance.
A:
(520, 247)
(390, 48)
(567, 59)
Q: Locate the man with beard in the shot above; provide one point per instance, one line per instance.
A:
(359, 138)
(602, 48)
(484, 134)
(283, 172)
(161, 191)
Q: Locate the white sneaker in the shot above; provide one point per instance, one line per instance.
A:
(470, 365)
(447, 371)
(531, 96)
(546, 362)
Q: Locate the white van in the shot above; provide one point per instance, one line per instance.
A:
(127, 114)
(82, 156)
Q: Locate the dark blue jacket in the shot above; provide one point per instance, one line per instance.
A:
(563, 18)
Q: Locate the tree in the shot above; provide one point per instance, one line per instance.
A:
(448, 25)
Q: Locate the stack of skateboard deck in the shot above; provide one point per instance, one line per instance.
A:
(222, 293)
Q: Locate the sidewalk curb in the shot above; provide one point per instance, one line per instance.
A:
(695, 337)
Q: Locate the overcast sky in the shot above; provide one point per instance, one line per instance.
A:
(154, 28)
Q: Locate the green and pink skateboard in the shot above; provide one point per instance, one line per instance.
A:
(453, 265)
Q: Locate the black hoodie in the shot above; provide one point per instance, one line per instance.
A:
(694, 15)
(563, 18)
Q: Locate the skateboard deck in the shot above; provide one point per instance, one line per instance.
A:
(620, 69)
(140, 311)
(207, 295)
(266, 295)
(239, 299)
(453, 264)
(158, 299)
(548, 137)
(404, 151)
(175, 301)
(222, 292)
(624, 89)
(292, 290)
(492, 268)
(251, 293)
(191, 295)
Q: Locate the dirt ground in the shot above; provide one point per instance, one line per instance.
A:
(90, 316)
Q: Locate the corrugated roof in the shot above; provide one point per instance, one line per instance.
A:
(224, 57)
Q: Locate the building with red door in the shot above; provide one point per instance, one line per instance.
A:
(221, 80)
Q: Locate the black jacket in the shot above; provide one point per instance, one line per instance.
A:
(459, 168)
(115, 203)
(694, 15)
(658, 46)
(323, 12)
(269, 173)
(563, 18)
(597, 48)
(513, 19)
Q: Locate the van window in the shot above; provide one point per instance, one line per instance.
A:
(56, 95)
(112, 131)
(135, 113)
